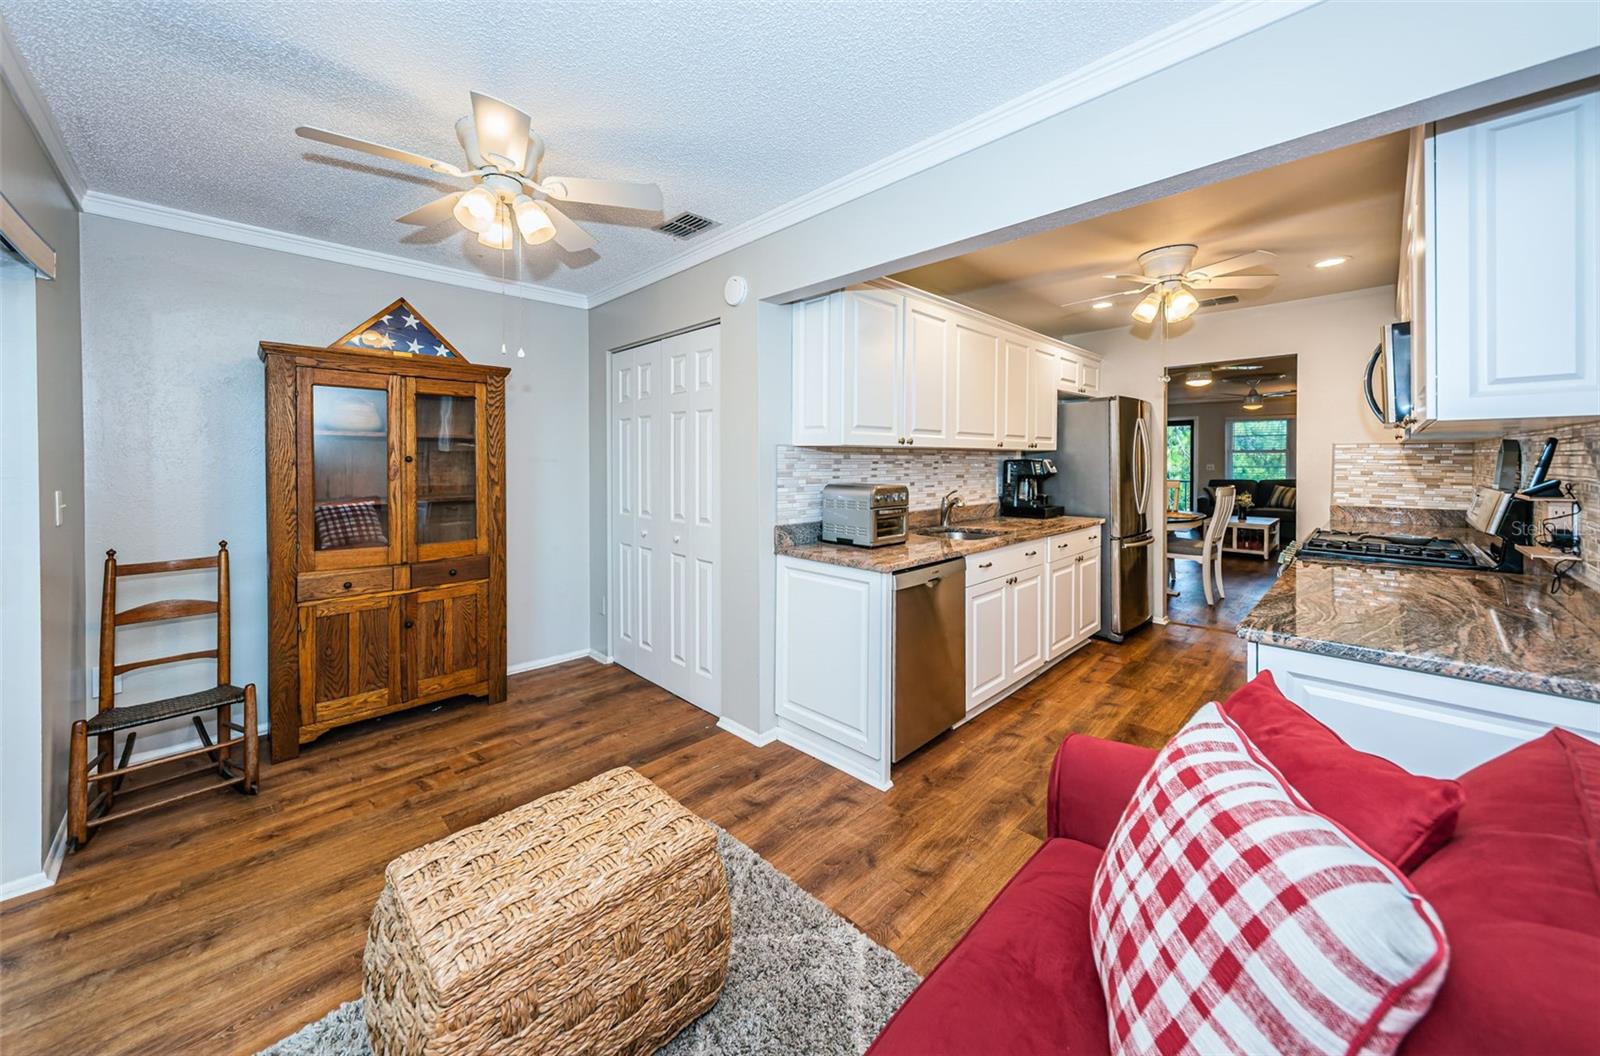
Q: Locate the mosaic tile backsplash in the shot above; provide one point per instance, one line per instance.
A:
(802, 471)
(1426, 476)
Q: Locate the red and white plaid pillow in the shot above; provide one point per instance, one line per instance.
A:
(1228, 917)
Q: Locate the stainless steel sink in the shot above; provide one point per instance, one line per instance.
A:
(959, 534)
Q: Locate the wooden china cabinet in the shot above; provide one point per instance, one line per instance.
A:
(385, 535)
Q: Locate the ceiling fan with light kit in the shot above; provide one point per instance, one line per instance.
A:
(509, 195)
(1168, 284)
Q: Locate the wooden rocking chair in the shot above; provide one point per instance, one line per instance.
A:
(83, 815)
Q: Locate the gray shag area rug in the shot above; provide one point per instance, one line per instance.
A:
(801, 979)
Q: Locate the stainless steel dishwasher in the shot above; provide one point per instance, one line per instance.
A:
(930, 653)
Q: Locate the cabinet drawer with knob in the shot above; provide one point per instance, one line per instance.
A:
(1072, 544)
(1003, 563)
(453, 570)
(317, 586)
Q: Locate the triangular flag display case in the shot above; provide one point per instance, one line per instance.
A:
(402, 330)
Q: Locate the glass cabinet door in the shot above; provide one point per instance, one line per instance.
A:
(446, 469)
(351, 486)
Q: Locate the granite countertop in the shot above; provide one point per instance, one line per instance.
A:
(1490, 627)
(918, 550)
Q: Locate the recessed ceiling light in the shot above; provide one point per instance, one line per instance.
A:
(1097, 305)
(1330, 262)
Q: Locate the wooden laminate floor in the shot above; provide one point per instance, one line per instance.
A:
(1244, 578)
(223, 924)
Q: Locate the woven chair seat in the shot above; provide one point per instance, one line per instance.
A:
(120, 718)
(594, 920)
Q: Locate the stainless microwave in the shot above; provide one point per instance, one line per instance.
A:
(1387, 385)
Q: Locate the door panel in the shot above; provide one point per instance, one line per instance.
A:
(987, 647)
(927, 375)
(1042, 396)
(1064, 603)
(620, 595)
(1015, 427)
(976, 392)
(446, 469)
(351, 495)
(872, 366)
(447, 631)
(349, 658)
(1088, 609)
(1026, 603)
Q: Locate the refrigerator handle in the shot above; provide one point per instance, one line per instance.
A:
(1141, 464)
(1137, 544)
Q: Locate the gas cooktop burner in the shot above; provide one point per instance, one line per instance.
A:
(1388, 549)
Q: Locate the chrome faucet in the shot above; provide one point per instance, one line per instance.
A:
(947, 505)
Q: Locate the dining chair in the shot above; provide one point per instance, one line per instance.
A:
(1207, 549)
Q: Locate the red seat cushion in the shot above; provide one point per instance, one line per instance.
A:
(1022, 980)
(1401, 816)
(1518, 891)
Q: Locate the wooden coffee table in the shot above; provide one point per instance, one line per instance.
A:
(1251, 535)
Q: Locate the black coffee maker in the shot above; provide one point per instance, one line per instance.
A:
(1022, 488)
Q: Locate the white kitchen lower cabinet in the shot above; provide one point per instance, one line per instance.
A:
(1429, 724)
(835, 665)
(834, 670)
(987, 645)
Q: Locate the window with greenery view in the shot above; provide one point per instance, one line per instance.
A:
(1180, 461)
(1258, 448)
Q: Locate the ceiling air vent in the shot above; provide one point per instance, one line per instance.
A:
(1214, 301)
(686, 225)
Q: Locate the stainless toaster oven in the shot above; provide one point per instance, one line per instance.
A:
(864, 514)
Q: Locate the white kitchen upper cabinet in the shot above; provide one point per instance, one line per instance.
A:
(929, 344)
(1088, 607)
(1513, 330)
(987, 648)
(817, 359)
(873, 367)
(1067, 380)
(1027, 605)
(1018, 403)
(1089, 378)
(1042, 396)
(976, 391)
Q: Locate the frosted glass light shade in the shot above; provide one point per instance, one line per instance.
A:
(1145, 311)
(1181, 304)
(532, 221)
(476, 209)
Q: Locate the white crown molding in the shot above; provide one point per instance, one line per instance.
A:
(96, 203)
(1201, 32)
(14, 72)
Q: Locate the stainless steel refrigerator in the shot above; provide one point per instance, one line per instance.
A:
(1105, 457)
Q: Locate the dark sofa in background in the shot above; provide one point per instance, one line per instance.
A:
(1261, 492)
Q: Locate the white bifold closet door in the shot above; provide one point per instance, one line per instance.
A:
(665, 593)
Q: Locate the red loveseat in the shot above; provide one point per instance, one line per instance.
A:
(1517, 888)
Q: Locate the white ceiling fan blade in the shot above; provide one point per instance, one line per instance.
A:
(646, 196)
(1104, 297)
(432, 213)
(502, 129)
(1233, 264)
(322, 135)
(569, 236)
(1240, 282)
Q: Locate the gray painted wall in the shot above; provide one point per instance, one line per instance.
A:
(1313, 87)
(175, 445)
(33, 186)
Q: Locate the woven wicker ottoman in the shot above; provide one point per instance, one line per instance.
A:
(594, 920)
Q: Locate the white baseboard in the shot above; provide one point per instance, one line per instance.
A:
(745, 733)
(550, 661)
(1160, 621)
(820, 750)
(46, 876)
(601, 658)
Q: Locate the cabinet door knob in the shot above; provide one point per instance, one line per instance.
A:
(409, 458)
(452, 571)
(644, 533)
(902, 440)
(409, 625)
(910, 440)
(677, 538)
(348, 584)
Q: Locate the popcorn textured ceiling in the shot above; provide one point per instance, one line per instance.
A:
(733, 108)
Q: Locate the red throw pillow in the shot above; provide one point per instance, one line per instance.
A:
(1400, 815)
(1229, 917)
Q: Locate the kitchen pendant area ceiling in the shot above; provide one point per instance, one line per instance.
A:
(1344, 203)
(734, 110)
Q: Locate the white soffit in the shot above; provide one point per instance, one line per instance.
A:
(182, 115)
